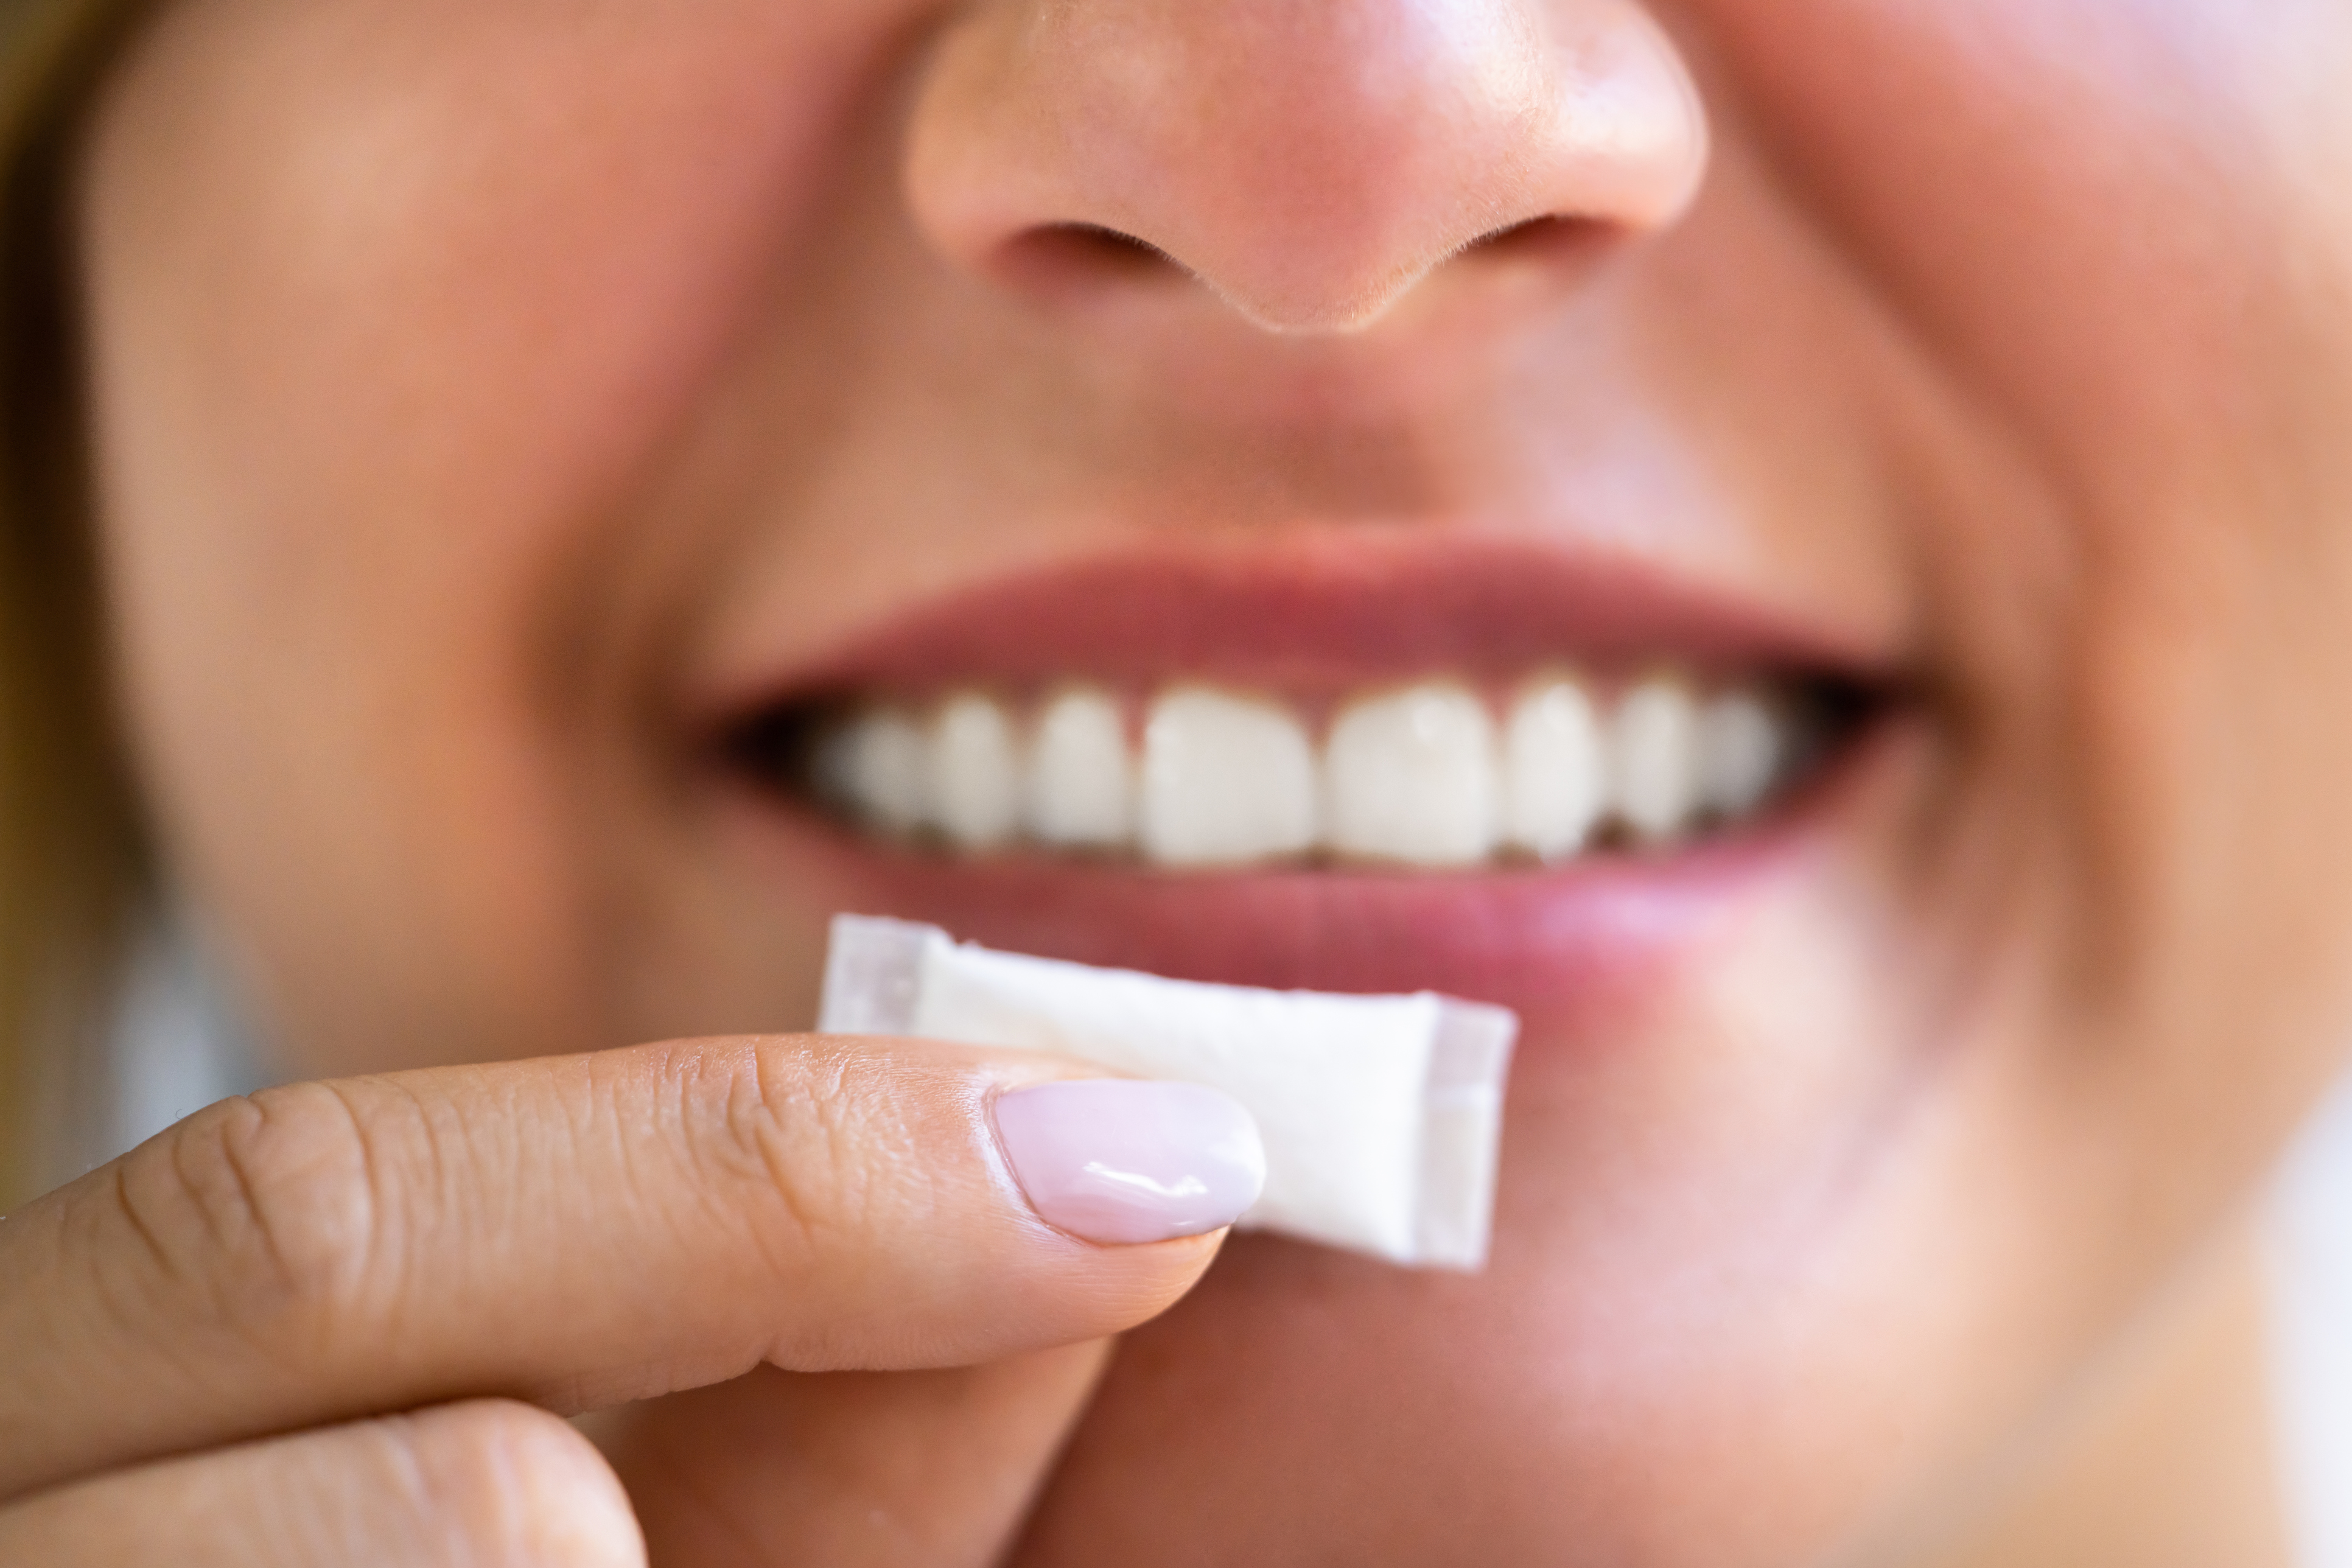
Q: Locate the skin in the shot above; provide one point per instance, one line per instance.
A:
(475, 383)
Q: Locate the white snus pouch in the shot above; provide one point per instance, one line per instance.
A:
(1381, 1115)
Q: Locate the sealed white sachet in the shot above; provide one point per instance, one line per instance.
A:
(1381, 1115)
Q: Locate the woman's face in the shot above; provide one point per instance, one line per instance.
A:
(513, 417)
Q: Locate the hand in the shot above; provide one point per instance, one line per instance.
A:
(342, 1323)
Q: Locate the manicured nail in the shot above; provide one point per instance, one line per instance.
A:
(1121, 1161)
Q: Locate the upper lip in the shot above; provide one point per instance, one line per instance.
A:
(1308, 615)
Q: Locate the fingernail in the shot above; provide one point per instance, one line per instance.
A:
(1122, 1162)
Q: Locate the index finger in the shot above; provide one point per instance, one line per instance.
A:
(585, 1231)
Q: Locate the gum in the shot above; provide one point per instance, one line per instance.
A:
(1381, 1115)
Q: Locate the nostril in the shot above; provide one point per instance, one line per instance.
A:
(1057, 260)
(1542, 238)
(1093, 244)
(1512, 236)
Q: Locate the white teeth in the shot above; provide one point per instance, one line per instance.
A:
(1081, 788)
(1656, 742)
(975, 772)
(1555, 775)
(1742, 751)
(1225, 779)
(1410, 777)
(880, 766)
(1422, 776)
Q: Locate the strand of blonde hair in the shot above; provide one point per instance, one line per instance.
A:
(69, 850)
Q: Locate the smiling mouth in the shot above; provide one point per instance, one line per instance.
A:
(1434, 773)
(1486, 712)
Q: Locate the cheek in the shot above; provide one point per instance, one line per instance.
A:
(2115, 234)
(374, 366)
(2121, 236)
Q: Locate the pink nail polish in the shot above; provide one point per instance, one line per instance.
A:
(1121, 1161)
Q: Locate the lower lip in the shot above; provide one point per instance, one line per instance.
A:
(1591, 937)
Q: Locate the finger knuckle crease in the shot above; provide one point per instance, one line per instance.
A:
(268, 1201)
(800, 1134)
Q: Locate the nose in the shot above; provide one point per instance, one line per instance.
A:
(1309, 160)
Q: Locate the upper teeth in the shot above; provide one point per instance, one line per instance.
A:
(1423, 775)
(1411, 776)
(1555, 769)
(1081, 779)
(1226, 778)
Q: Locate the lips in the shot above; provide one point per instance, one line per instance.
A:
(1307, 628)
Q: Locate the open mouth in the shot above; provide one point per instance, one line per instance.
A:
(1349, 760)
(1437, 773)
(1476, 711)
